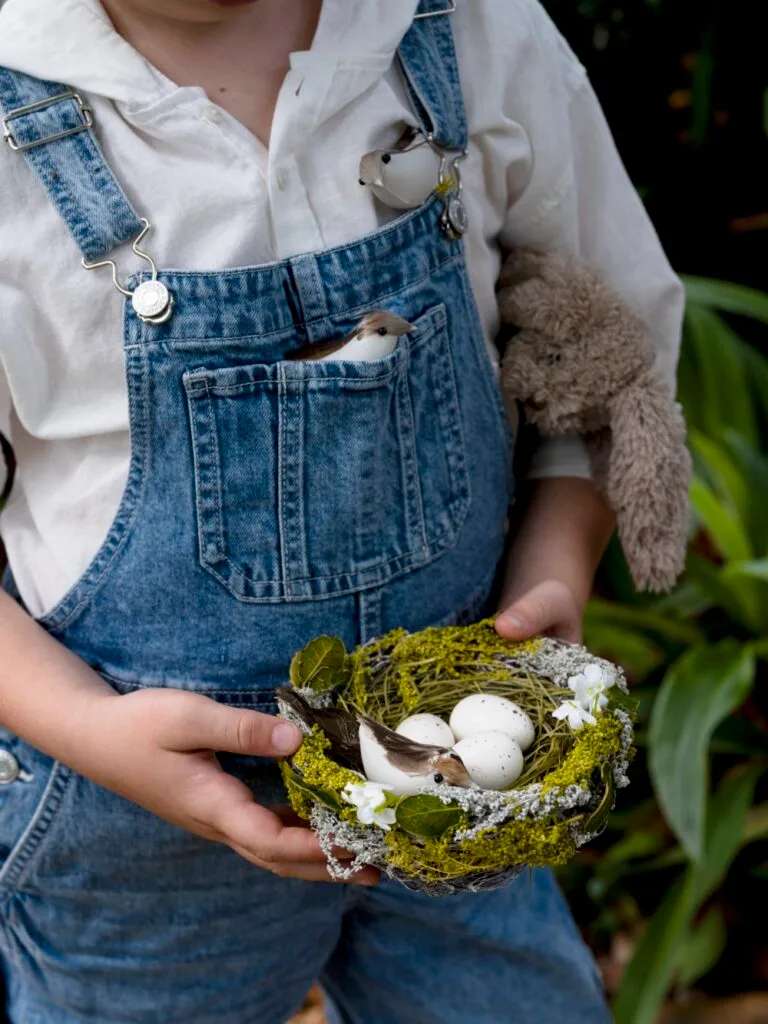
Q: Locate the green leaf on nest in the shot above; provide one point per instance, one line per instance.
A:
(628, 702)
(322, 796)
(595, 821)
(321, 665)
(427, 816)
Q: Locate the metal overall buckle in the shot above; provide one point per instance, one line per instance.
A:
(152, 301)
(31, 108)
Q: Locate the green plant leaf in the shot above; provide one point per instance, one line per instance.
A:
(756, 569)
(727, 297)
(698, 691)
(321, 665)
(703, 947)
(717, 462)
(717, 387)
(648, 974)
(427, 816)
(653, 963)
(595, 821)
(646, 619)
(754, 468)
(722, 523)
(728, 594)
(726, 827)
(323, 796)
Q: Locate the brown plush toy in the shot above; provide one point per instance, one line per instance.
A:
(582, 363)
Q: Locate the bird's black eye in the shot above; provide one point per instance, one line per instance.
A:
(381, 330)
(438, 777)
(361, 181)
(386, 157)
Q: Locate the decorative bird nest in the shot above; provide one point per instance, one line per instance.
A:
(444, 838)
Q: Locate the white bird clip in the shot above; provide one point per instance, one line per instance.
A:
(403, 177)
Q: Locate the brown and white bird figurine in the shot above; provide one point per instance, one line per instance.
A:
(400, 765)
(374, 338)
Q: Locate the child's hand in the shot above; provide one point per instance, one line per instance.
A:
(547, 609)
(156, 747)
(553, 559)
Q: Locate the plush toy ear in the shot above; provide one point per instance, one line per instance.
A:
(647, 475)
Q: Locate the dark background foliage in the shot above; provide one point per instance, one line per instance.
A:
(683, 84)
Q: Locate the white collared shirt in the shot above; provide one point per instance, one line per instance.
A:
(542, 169)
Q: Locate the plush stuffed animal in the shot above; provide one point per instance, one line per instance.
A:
(582, 363)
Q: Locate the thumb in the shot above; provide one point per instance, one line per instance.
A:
(214, 726)
(548, 608)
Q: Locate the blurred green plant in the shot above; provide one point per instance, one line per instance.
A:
(695, 657)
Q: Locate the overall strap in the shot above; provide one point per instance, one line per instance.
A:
(428, 59)
(52, 127)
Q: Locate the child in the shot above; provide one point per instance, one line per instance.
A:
(192, 506)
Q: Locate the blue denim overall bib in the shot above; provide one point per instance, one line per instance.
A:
(269, 501)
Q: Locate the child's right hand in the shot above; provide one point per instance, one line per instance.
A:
(157, 748)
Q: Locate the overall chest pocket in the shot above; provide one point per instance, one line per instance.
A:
(316, 479)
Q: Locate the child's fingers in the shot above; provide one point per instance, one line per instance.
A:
(548, 608)
(202, 723)
(314, 872)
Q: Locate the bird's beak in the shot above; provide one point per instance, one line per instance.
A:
(370, 169)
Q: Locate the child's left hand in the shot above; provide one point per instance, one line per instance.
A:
(553, 560)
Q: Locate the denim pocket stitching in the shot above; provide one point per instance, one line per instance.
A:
(202, 385)
(21, 857)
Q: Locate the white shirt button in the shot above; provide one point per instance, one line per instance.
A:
(213, 114)
(9, 768)
(282, 178)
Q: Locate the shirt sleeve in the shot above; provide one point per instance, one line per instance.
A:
(579, 199)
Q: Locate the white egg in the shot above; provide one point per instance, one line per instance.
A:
(427, 729)
(493, 759)
(483, 711)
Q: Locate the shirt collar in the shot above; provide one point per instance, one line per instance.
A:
(74, 42)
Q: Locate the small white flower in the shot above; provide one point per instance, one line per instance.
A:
(369, 798)
(576, 714)
(590, 687)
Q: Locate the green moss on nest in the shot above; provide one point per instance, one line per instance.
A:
(535, 843)
(317, 769)
(593, 745)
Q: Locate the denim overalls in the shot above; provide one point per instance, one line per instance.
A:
(269, 501)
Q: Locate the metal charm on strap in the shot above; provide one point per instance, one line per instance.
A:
(151, 301)
(453, 220)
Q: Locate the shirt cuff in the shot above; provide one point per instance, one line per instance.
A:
(565, 455)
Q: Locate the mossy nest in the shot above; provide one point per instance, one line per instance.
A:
(447, 839)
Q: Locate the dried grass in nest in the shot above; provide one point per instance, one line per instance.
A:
(425, 673)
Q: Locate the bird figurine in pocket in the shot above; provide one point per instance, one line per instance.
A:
(375, 337)
(579, 361)
(400, 765)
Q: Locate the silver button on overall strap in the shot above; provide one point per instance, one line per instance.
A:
(53, 128)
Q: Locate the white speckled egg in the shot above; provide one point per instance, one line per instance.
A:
(427, 729)
(493, 759)
(481, 712)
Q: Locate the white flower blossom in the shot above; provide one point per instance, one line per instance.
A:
(590, 687)
(369, 798)
(576, 714)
